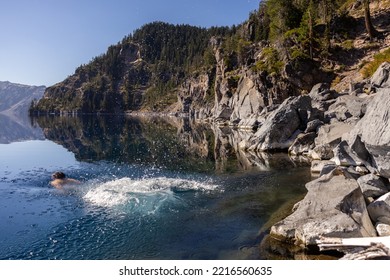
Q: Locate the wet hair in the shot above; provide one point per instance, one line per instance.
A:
(58, 175)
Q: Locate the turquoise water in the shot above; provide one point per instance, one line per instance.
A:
(150, 190)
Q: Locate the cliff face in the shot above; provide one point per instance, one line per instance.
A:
(242, 93)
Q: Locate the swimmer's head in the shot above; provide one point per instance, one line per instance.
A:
(58, 175)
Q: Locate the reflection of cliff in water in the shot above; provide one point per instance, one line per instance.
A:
(164, 142)
(18, 128)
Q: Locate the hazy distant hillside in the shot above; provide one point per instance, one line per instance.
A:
(15, 99)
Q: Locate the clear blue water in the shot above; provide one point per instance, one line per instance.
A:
(150, 190)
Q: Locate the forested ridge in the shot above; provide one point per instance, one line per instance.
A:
(145, 69)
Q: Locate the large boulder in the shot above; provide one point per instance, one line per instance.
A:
(322, 96)
(333, 207)
(373, 185)
(381, 77)
(329, 136)
(373, 133)
(348, 106)
(343, 156)
(302, 144)
(322, 92)
(282, 126)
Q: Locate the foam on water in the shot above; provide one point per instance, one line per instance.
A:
(126, 190)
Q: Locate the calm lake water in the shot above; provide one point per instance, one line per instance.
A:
(151, 189)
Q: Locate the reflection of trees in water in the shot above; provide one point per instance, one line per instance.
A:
(164, 142)
(123, 139)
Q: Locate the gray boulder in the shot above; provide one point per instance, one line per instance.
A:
(381, 77)
(321, 152)
(374, 126)
(333, 207)
(321, 166)
(343, 155)
(313, 126)
(322, 92)
(322, 96)
(373, 133)
(302, 144)
(332, 133)
(380, 208)
(381, 159)
(329, 136)
(282, 126)
(348, 106)
(372, 185)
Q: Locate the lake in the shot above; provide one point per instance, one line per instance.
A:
(152, 188)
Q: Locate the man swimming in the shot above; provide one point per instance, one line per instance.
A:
(60, 180)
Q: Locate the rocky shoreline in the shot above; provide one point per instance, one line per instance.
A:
(346, 137)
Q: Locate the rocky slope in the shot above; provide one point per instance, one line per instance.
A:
(349, 148)
(15, 99)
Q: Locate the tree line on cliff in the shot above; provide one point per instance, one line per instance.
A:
(144, 70)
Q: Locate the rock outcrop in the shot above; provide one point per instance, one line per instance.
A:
(373, 132)
(351, 152)
(193, 97)
(333, 207)
(282, 126)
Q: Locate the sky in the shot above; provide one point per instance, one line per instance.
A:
(42, 42)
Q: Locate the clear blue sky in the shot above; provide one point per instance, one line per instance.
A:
(43, 41)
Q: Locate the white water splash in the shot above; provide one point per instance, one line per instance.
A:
(125, 190)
